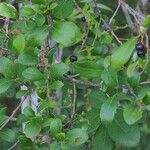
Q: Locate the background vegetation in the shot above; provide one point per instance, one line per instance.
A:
(74, 74)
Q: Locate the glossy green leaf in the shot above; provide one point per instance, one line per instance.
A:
(59, 69)
(28, 112)
(21, 93)
(108, 110)
(122, 133)
(146, 22)
(66, 33)
(97, 98)
(7, 67)
(27, 11)
(8, 11)
(39, 1)
(32, 129)
(27, 58)
(88, 69)
(131, 114)
(110, 77)
(5, 84)
(55, 126)
(123, 53)
(94, 119)
(56, 85)
(63, 9)
(75, 137)
(32, 74)
(7, 135)
(102, 141)
(19, 43)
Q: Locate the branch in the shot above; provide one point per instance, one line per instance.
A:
(86, 83)
(12, 115)
(111, 19)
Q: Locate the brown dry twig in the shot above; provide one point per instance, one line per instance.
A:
(12, 115)
(86, 83)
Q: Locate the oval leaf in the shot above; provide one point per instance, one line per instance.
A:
(122, 133)
(32, 74)
(66, 33)
(131, 114)
(8, 11)
(122, 55)
(19, 43)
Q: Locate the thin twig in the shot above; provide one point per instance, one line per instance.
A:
(116, 37)
(111, 19)
(86, 83)
(12, 115)
(145, 82)
(87, 24)
(13, 145)
(74, 100)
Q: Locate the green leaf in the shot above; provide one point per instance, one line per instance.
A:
(94, 120)
(56, 85)
(25, 141)
(108, 110)
(102, 141)
(122, 133)
(59, 69)
(19, 43)
(7, 67)
(28, 112)
(8, 11)
(39, 19)
(63, 9)
(122, 54)
(32, 74)
(55, 126)
(27, 11)
(7, 135)
(131, 114)
(66, 33)
(21, 93)
(146, 22)
(55, 147)
(75, 137)
(88, 69)
(27, 58)
(3, 118)
(36, 35)
(32, 129)
(109, 76)
(97, 98)
(5, 84)
(48, 104)
(38, 1)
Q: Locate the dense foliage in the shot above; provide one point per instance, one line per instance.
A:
(78, 74)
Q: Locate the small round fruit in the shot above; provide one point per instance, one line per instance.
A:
(83, 19)
(140, 46)
(141, 53)
(107, 27)
(73, 58)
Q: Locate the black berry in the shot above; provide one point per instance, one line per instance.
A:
(107, 27)
(73, 58)
(140, 46)
(141, 53)
(83, 19)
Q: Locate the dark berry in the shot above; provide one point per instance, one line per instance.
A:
(140, 46)
(83, 19)
(73, 58)
(107, 27)
(141, 53)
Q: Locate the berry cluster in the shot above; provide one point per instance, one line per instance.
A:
(140, 49)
